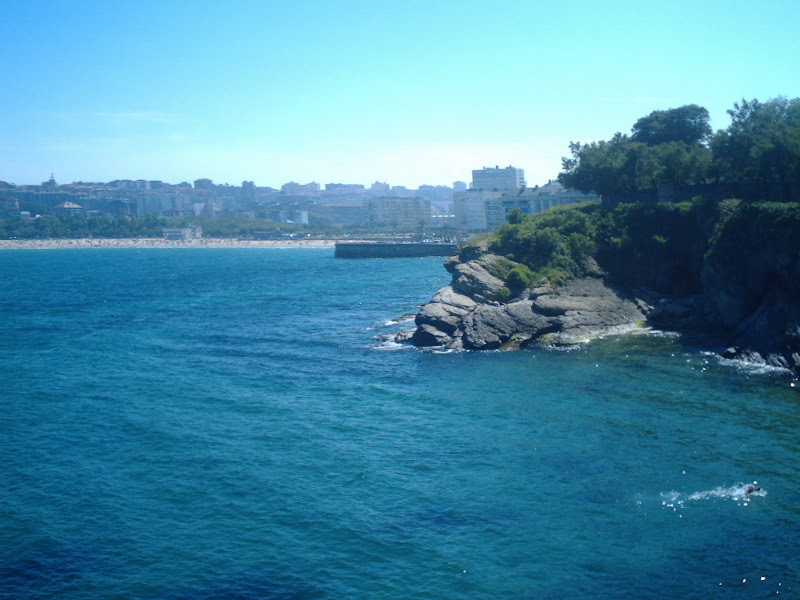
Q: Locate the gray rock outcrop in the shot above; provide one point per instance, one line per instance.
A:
(474, 278)
(488, 326)
(466, 314)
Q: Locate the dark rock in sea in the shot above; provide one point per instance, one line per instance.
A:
(730, 352)
(402, 318)
(427, 335)
(404, 336)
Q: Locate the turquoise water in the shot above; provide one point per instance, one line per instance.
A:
(221, 423)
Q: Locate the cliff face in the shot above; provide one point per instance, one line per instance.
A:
(751, 277)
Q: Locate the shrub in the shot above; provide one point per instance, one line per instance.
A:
(502, 294)
(519, 277)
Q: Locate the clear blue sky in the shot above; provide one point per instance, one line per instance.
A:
(408, 92)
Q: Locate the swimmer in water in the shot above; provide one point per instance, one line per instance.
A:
(750, 488)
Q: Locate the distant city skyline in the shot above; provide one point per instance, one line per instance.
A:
(292, 187)
(408, 93)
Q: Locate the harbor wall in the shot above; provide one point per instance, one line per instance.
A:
(392, 250)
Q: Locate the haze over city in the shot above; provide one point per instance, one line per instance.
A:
(410, 93)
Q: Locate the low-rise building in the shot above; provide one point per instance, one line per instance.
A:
(182, 234)
(341, 214)
(67, 209)
(497, 209)
(552, 194)
(300, 188)
(399, 214)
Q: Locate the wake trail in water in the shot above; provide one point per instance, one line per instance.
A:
(739, 492)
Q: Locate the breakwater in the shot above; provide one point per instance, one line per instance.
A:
(392, 250)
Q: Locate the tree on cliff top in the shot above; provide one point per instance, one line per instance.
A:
(762, 143)
(666, 146)
(687, 124)
(624, 166)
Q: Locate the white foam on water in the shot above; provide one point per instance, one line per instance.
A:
(391, 345)
(399, 321)
(750, 368)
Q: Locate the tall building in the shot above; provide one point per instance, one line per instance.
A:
(498, 179)
(459, 186)
(248, 194)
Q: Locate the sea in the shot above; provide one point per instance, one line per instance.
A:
(201, 423)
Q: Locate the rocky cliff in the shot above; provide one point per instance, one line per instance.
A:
(747, 299)
(751, 277)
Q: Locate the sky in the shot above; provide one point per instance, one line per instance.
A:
(407, 92)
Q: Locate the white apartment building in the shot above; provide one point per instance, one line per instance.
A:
(530, 201)
(552, 194)
(486, 210)
(469, 210)
(498, 179)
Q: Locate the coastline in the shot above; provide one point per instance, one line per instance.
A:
(161, 243)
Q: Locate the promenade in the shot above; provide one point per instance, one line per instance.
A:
(161, 243)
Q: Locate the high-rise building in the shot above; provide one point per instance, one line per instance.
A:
(498, 179)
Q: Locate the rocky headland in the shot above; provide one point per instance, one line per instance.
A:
(745, 302)
(466, 315)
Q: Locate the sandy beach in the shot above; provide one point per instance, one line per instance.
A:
(161, 243)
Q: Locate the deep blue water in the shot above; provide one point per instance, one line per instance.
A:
(220, 423)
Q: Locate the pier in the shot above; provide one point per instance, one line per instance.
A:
(393, 249)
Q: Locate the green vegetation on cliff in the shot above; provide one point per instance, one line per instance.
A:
(557, 244)
(664, 245)
(661, 246)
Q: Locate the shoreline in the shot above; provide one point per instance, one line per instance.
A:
(161, 243)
